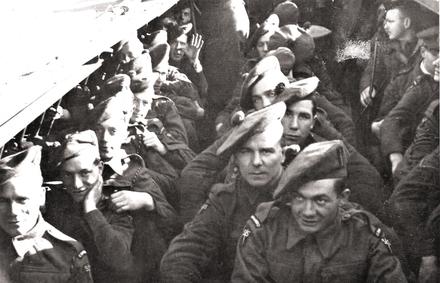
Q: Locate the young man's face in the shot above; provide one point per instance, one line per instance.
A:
(80, 175)
(111, 134)
(429, 60)
(185, 16)
(394, 24)
(177, 50)
(259, 159)
(128, 53)
(142, 105)
(298, 122)
(315, 205)
(20, 202)
(263, 44)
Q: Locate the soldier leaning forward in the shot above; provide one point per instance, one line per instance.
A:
(31, 250)
(306, 235)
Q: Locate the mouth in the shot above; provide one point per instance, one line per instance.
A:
(309, 222)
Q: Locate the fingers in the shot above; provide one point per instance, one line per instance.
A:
(197, 41)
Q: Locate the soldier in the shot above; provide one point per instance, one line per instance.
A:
(398, 127)
(206, 247)
(83, 210)
(306, 235)
(415, 198)
(31, 249)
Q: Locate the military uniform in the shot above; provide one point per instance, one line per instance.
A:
(43, 255)
(153, 230)
(354, 248)
(398, 128)
(206, 247)
(416, 196)
(106, 235)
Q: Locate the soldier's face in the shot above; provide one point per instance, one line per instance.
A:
(394, 24)
(315, 205)
(128, 53)
(298, 122)
(111, 134)
(177, 50)
(80, 175)
(436, 69)
(429, 59)
(263, 45)
(142, 104)
(20, 202)
(259, 159)
(185, 16)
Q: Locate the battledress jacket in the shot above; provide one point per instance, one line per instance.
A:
(44, 254)
(354, 248)
(205, 250)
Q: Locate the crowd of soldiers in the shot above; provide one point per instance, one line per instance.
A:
(320, 163)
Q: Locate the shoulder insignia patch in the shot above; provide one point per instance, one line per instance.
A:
(381, 235)
(256, 221)
(246, 233)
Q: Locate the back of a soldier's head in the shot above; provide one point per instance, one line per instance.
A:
(21, 193)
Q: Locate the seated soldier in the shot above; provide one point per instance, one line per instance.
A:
(398, 128)
(139, 190)
(310, 234)
(31, 250)
(157, 132)
(176, 85)
(415, 198)
(206, 247)
(303, 125)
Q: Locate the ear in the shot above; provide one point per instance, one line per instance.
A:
(313, 122)
(100, 167)
(345, 194)
(42, 196)
(407, 23)
(423, 51)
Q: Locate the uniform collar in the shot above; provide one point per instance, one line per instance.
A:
(116, 163)
(33, 240)
(254, 194)
(328, 241)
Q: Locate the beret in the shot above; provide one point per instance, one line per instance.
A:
(115, 84)
(321, 160)
(254, 122)
(160, 55)
(285, 57)
(429, 37)
(316, 31)
(119, 107)
(84, 142)
(287, 12)
(270, 25)
(25, 163)
(298, 90)
(265, 76)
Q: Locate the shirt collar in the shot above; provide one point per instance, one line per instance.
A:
(33, 240)
(328, 241)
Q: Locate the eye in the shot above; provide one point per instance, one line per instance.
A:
(3, 200)
(298, 198)
(21, 200)
(321, 201)
(304, 116)
(267, 151)
(85, 174)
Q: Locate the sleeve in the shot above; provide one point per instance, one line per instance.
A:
(384, 266)
(397, 128)
(250, 263)
(112, 238)
(190, 253)
(413, 200)
(197, 178)
(391, 97)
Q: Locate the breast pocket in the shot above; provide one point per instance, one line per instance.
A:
(347, 272)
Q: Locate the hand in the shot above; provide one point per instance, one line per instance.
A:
(128, 201)
(395, 159)
(366, 99)
(150, 139)
(428, 269)
(193, 49)
(55, 113)
(93, 196)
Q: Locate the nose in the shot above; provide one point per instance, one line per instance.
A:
(105, 136)
(180, 45)
(256, 160)
(294, 123)
(77, 182)
(309, 209)
(14, 208)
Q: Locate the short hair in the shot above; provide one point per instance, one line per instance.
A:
(311, 97)
(407, 9)
(173, 29)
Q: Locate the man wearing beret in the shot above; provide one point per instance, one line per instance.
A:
(206, 247)
(31, 250)
(85, 212)
(143, 192)
(310, 233)
(398, 127)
